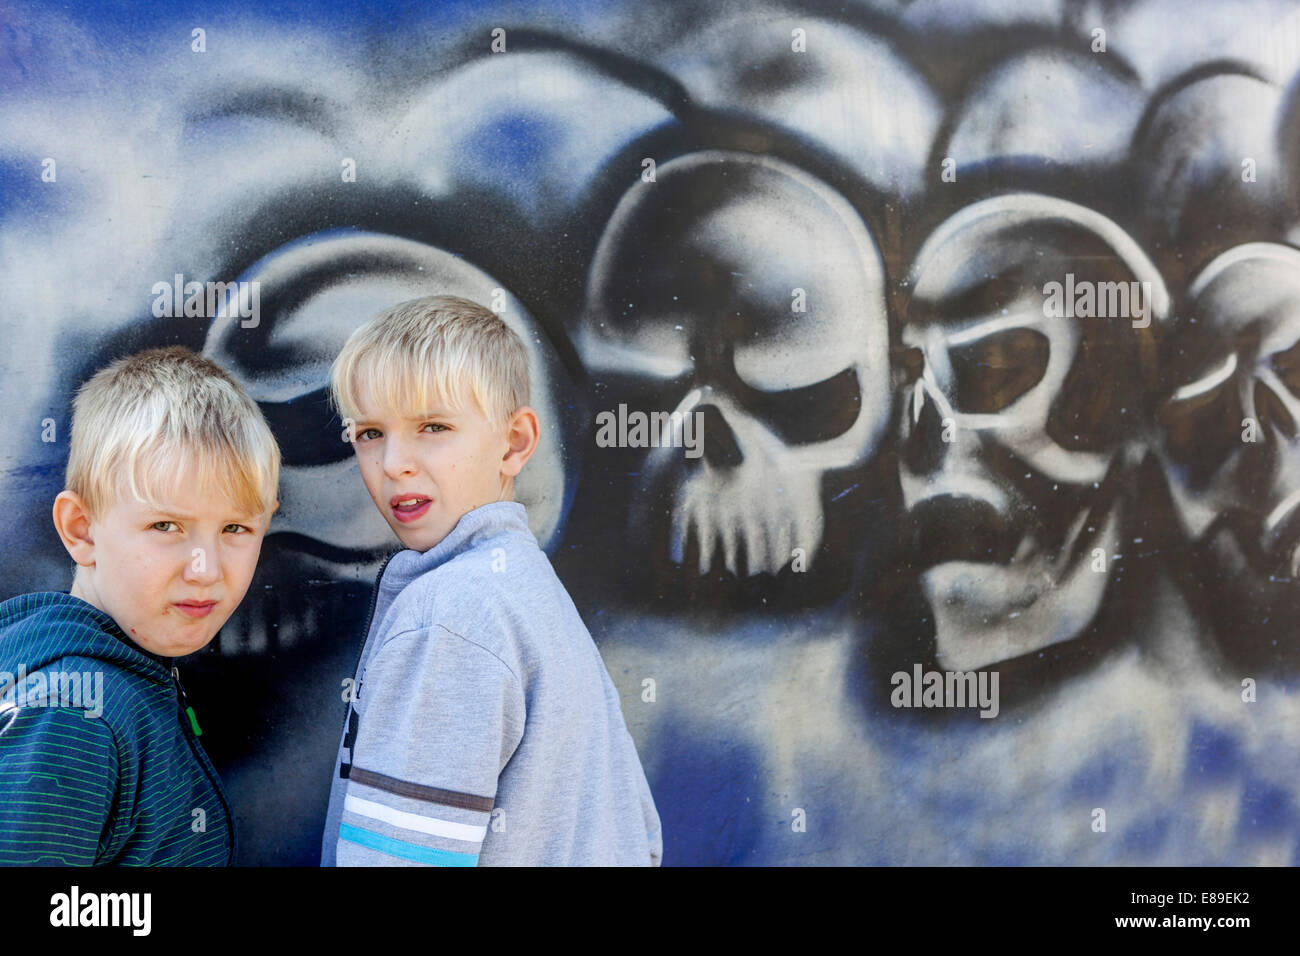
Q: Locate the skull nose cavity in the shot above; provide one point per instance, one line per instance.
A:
(721, 449)
(911, 363)
(1272, 411)
(924, 449)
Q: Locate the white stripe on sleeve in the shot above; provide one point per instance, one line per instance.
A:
(414, 821)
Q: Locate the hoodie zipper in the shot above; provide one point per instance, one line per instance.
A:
(185, 702)
(191, 738)
(351, 716)
(370, 615)
(375, 601)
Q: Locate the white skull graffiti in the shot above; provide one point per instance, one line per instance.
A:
(1230, 436)
(1013, 418)
(314, 292)
(696, 294)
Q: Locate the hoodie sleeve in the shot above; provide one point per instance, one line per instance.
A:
(442, 716)
(653, 827)
(58, 779)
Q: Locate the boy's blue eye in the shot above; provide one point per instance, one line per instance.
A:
(438, 425)
(367, 431)
(157, 523)
(240, 527)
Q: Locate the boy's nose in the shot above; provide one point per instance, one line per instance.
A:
(204, 564)
(397, 459)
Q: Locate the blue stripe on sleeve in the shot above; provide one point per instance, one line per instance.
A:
(407, 851)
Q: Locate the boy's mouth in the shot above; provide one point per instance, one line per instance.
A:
(409, 507)
(196, 608)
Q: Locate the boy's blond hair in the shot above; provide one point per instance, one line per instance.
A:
(163, 415)
(427, 354)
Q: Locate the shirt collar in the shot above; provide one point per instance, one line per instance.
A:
(474, 527)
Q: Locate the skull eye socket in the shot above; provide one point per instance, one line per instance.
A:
(991, 373)
(810, 413)
(1201, 420)
(1272, 413)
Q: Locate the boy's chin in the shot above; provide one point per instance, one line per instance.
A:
(420, 542)
(170, 642)
(172, 648)
(420, 539)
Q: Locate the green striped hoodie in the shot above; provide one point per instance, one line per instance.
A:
(99, 762)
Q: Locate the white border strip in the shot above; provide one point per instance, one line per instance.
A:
(414, 821)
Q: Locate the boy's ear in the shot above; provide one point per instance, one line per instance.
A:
(72, 522)
(522, 436)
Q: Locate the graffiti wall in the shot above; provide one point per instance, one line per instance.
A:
(919, 381)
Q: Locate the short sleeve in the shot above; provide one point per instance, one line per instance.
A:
(441, 717)
(58, 781)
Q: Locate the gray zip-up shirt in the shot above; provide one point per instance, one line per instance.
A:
(484, 728)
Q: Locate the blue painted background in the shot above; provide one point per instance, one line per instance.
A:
(770, 737)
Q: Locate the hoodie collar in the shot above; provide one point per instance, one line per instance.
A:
(109, 625)
(100, 636)
(474, 527)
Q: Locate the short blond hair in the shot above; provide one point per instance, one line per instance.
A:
(429, 353)
(163, 415)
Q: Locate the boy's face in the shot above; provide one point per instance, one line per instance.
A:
(449, 462)
(170, 577)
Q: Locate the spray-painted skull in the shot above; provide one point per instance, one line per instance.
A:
(744, 291)
(1016, 415)
(1230, 442)
(313, 293)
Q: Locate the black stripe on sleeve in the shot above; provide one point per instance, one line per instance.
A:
(404, 788)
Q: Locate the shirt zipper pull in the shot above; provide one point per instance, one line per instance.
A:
(189, 711)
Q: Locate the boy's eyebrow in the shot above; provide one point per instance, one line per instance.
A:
(183, 517)
(423, 416)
